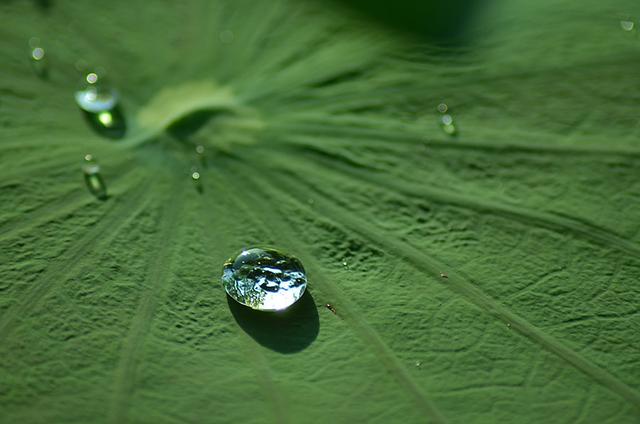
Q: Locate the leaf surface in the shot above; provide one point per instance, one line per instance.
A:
(485, 277)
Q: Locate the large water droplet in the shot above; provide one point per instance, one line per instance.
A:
(100, 104)
(93, 179)
(264, 279)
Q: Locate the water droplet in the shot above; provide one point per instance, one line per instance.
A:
(227, 36)
(345, 264)
(264, 279)
(199, 149)
(446, 122)
(100, 104)
(38, 57)
(195, 175)
(508, 325)
(92, 177)
(627, 25)
(443, 108)
(418, 364)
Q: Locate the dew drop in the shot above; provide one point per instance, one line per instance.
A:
(100, 104)
(446, 122)
(443, 108)
(264, 279)
(200, 149)
(92, 177)
(38, 57)
(195, 175)
(627, 25)
(418, 364)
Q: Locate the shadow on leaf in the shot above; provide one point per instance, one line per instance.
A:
(287, 331)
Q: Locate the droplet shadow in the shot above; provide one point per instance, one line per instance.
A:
(288, 331)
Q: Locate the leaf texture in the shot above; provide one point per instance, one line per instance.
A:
(487, 277)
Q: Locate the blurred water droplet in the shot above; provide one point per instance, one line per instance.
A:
(38, 57)
(446, 122)
(345, 264)
(418, 364)
(627, 25)
(442, 108)
(508, 325)
(264, 279)
(100, 104)
(226, 36)
(199, 149)
(92, 177)
(195, 175)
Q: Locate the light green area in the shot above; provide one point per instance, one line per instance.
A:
(490, 276)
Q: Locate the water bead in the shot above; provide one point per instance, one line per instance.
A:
(264, 279)
(93, 179)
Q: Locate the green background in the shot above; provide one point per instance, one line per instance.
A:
(486, 277)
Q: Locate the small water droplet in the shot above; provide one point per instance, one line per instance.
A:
(227, 36)
(195, 175)
(92, 78)
(92, 177)
(264, 279)
(444, 275)
(627, 25)
(199, 149)
(330, 307)
(508, 325)
(345, 264)
(446, 122)
(100, 104)
(418, 364)
(443, 108)
(38, 57)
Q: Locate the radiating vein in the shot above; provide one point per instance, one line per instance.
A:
(349, 310)
(456, 281)
(556, 222)
(128, 203)
(152, 290)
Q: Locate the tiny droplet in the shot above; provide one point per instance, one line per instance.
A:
(446, 122)
(442, 108)
(195, 175)
(38, 57)
(199, 149)
(92, 177)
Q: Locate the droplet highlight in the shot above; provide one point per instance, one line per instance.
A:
(93, 178)
(264, 279)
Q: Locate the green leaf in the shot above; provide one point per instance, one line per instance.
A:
(489, 276)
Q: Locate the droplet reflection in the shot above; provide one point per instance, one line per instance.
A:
(264, 279)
